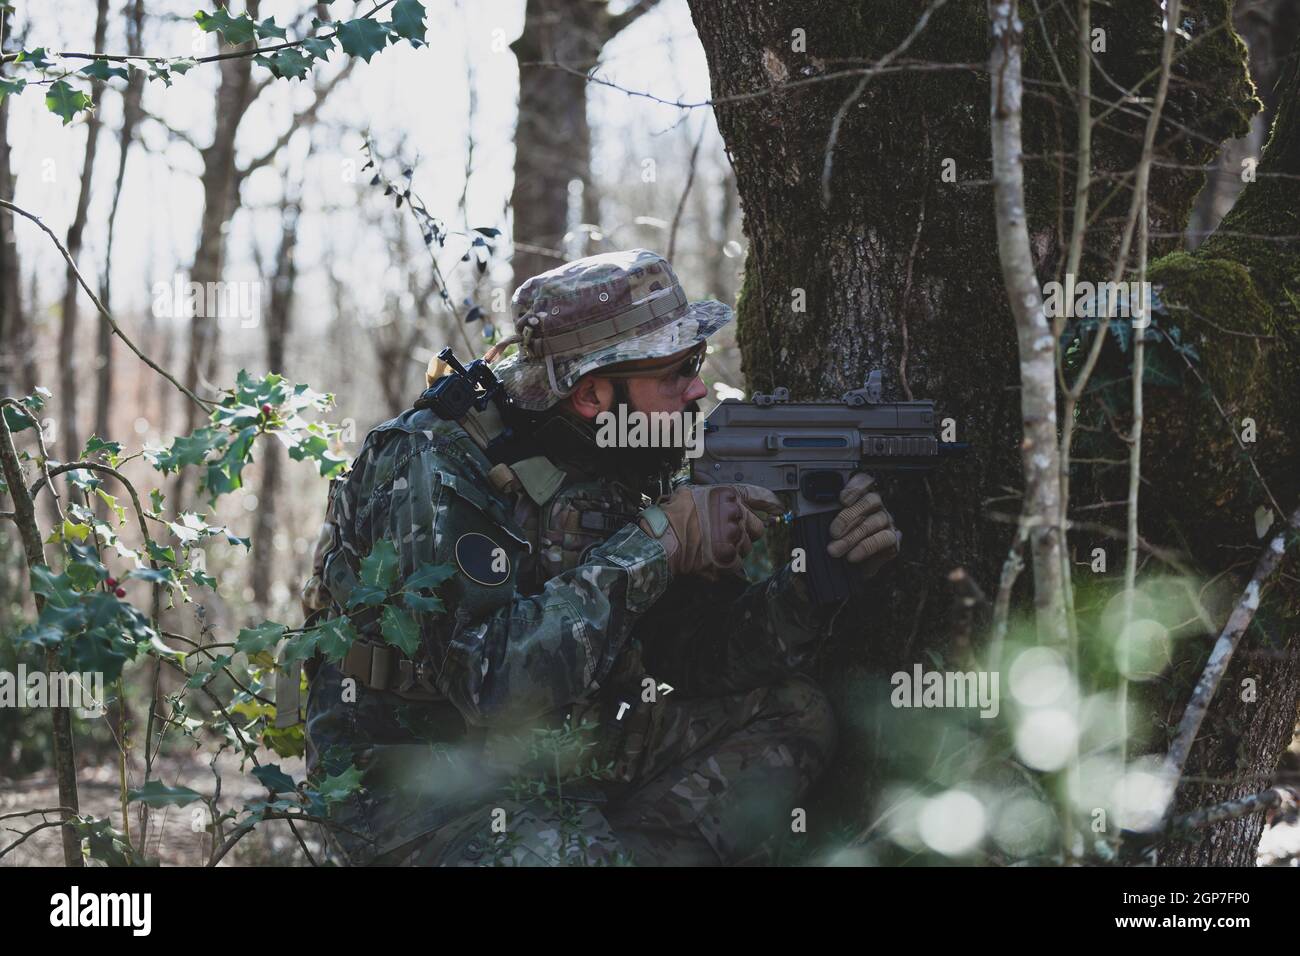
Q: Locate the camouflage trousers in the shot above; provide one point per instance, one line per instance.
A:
(694, 782)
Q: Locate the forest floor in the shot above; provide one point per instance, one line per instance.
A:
(176, 842)
(173, 838)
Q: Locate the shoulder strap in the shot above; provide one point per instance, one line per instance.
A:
(537, 475)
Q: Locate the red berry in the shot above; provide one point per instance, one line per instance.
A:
(120, 592)
(111, 582)
(266, 410)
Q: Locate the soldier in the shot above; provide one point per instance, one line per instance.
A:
(612, 639)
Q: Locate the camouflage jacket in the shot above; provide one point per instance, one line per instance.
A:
(584, 604)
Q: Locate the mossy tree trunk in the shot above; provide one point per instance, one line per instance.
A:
(899, 271)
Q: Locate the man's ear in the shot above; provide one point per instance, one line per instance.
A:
(591, 396)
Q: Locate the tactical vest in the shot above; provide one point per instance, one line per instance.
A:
(564, 515)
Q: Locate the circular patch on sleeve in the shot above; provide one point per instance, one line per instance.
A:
(482, 559)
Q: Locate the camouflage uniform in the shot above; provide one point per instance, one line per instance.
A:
(564, 632)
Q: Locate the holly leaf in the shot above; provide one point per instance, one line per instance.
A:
(57, 589)
(363, 38)
(338, 786)
(97, 446)
(379, 567)
(34, 57)
(155, 793)
(234, 30)
(367, 595)
(336, 637)
(318, 47)
(100, 70)
(408, 21)
(400, 630)
(189, 449)
(287, 64)
(274, 779)
(64, 101)
(10, 86)
(267, 28)
(261, 638)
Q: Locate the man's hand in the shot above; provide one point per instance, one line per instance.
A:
(863, 531)
(712, 527)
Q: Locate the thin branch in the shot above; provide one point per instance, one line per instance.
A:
(867, 77)
(202, 403)
(1221, 656)
(229, 55)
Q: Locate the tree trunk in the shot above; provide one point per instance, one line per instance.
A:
(17, 355)
(131, 114)
(220, 200)
(70, 365)
(899, 271)
(553, 138)
(278, 319)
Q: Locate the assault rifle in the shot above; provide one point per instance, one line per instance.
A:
(808, 450)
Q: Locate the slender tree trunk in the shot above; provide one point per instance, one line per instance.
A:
(71, 366)
(1039, 454)
(553, 138)
(278, 319)
(220, 201)
(17, 355)
(130, 117)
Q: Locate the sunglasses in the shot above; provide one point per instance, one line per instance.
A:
(688, 369)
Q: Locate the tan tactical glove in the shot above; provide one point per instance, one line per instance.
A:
(710, 528)
(863, 531)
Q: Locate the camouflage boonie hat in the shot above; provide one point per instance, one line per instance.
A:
(594, 312)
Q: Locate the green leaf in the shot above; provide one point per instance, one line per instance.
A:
(66, 102)
(429, 576)
(400, 630)
(155, 793)
(100, 70)
(189, 449)
(35, 58)
(318, 47)
(274, 779)
(55, 588)
(340, 785)
(84, 575)
(183, 65)
(421, 602)
(267, 28)
(10, 86)
(379, 567)
(95, 445)
(363, 38)
(154, 575)
(286, 64)
(111, 501)
(261, 638)
(160, 70)
(156, 498)
(165, 555)
(206, 670)
(336, 637)
(408, 21)
(234, 30)
(366, 595)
